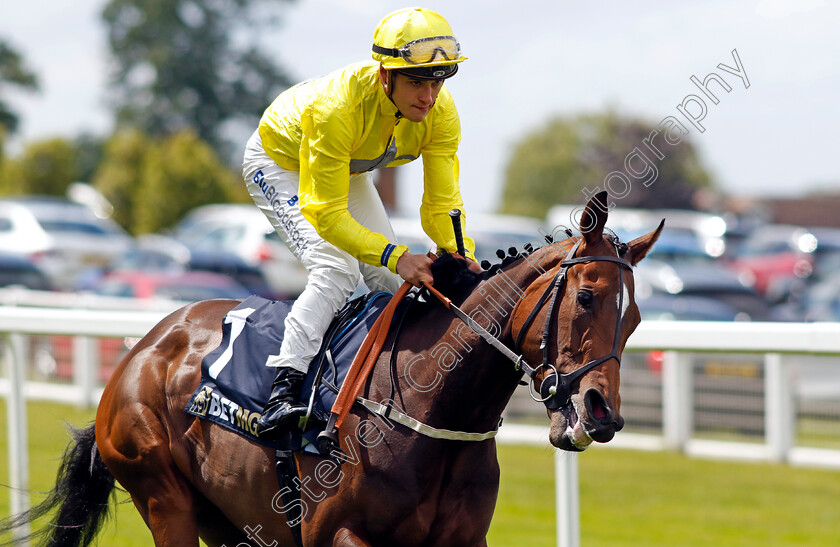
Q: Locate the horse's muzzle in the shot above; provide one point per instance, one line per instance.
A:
(578, 423)
(600, 419)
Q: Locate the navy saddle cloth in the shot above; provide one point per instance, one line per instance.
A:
(236, 383)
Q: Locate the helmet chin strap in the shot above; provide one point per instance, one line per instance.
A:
(388, 84)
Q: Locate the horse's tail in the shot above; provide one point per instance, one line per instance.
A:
(81, 497)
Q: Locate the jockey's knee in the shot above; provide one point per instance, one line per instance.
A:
(336, 281)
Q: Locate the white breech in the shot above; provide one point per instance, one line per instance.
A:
(333, 273)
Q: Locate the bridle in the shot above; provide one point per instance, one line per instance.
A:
(556, 389)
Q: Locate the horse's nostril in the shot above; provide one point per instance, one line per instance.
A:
(599, 412)
(597, 407)
(603, 422)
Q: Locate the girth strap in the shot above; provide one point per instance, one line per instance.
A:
(390, 413)
(286, 470)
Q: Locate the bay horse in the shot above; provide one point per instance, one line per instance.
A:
(191, 479)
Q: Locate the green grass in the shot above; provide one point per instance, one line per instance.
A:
(627, 497)
(664, 499)
(48, 437)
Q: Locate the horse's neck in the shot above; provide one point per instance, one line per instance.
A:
(465, 382)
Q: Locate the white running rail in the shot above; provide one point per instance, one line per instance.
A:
(776, 341)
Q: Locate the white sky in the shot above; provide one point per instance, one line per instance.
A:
(529, 60)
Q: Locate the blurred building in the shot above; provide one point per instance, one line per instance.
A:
(816, 210)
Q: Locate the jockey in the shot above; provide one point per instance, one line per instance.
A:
(308, 168)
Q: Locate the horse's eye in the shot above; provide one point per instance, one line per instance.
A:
(584, 298)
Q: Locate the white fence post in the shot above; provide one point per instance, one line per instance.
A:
(677, 399)
(85, 368)
(567, 498)
(15, 355)
(779, 407)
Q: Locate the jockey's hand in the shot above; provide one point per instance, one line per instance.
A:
(415, 268)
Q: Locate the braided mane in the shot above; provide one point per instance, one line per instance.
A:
(455, 279)
(513, 254)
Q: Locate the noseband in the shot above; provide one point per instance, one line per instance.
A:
(556, 389)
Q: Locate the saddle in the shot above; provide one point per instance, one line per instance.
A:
(235, 383)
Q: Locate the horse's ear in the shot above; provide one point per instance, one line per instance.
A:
(639, 247)
(594, 218)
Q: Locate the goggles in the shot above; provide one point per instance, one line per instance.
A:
(425, 50)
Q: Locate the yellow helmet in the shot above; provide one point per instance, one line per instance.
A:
(417, 41)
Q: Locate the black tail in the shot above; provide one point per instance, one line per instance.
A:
(81, 494)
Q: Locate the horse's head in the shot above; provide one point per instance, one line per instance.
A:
(584, 307)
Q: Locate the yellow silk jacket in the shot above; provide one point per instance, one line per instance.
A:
(344, 123)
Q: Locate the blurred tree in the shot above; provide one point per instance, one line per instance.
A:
(191, 63)
(49, 166)
(3, 162)
(45, 167)
(89, 150)
(12, 72)
(152, 183)
(10, 176)
(179, 173)
(120, 173)
(556, 163)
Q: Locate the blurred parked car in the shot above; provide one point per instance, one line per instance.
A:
(658, 306)
(493, 232)
(811, 297)
(826, 256)
(149, 253)
(20, 271)
(489, 231)
(249, 276)
(157, 253)
(153, 253)
(775, 255)
(184, 286)
(818, 300)
(244, 231)
(61, 237)
(678, 267)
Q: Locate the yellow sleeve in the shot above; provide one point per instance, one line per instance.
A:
(327, 138)
(441, 192)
